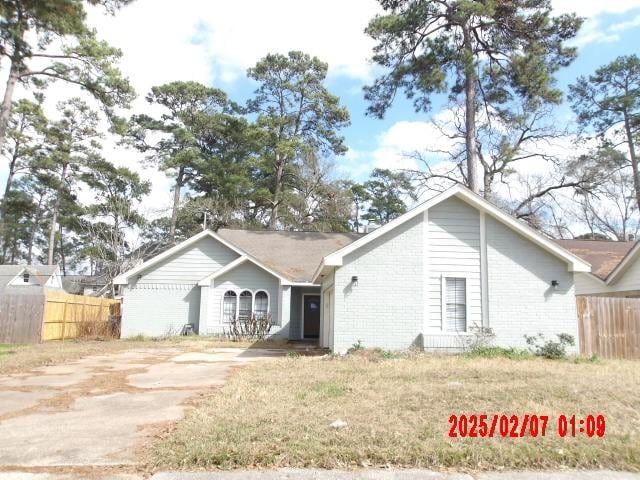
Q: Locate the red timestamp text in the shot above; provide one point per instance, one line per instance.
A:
(527, 425)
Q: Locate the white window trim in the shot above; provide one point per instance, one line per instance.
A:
(443, 302)
(238, 291)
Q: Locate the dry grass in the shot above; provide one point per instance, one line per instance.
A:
(22, 358)
(278, 414)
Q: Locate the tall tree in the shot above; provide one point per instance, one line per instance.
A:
(72, 141)
(179, 140)
(112, 216)
(388, 192)
(434, 46)
(609, 101)
(48, 40)
(297, 115)
(24, 140)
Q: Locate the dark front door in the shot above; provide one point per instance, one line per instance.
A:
(311, 316)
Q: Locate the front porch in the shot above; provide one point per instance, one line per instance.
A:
(304, 322)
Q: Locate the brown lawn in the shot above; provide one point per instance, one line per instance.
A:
(278, 413)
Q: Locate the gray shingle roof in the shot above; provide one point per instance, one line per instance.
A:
(603, 255)
(295, 255)
(8, 272)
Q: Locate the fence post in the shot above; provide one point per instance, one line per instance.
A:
(64, 319)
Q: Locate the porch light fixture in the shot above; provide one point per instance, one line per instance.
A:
(555, 284)
(354, 281)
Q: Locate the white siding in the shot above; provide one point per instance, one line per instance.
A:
(629, 282)
(245, 276)
(587, 285)
(521, 298)
(158, 310)
(454, 251)
(191, 265)
(386, 308)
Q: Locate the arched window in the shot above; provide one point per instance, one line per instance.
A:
(229, 306)
(261, 306)
(244, 310)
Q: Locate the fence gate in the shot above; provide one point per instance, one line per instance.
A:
(609, 326)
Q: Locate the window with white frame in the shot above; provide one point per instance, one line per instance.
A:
(229, 306)
(261, 303)
(455, 304)
(245, 305)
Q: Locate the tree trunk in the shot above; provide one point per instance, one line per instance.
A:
(54, 218)
(7, 101)
(34, 231)
(176, 205)
(470, 90)
(62, 255)
(277, 189)
(632, 154)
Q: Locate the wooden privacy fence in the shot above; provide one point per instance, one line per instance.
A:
(53, 315)
(609, 326)
(72, 316)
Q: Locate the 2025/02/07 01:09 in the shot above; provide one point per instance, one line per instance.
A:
(527, 425)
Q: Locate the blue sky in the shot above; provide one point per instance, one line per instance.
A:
(214, 42)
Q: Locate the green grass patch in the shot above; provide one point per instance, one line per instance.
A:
(499, 352)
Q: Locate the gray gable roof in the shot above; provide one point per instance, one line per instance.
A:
(294, 255)
(43, 272)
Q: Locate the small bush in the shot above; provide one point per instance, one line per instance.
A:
(356, 347)
(549, 348)
(293, 354)
(498, 352)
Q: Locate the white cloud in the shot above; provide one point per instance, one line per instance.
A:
(219, 40)
(592, 8)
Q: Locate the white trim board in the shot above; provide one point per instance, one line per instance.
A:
(574, 263)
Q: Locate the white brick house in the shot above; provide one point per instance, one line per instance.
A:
(450, 267)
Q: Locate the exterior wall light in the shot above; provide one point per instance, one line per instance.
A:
(555, 284)
(354, 280)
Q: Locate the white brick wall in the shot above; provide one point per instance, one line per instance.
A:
(157, 310)
(521, 299)
(386, 308)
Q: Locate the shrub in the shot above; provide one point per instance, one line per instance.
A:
(498, 352)
(549, 348)
(356, 347)
(293, 354)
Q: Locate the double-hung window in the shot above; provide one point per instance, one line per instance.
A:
(229, 306)
(455, 303)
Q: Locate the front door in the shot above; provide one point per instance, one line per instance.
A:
(311, 316)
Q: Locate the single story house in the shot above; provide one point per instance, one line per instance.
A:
(615, 270)
(439, 277)
(29, 278)
(89, 285)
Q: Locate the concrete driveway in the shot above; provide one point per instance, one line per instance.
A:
(98, 413)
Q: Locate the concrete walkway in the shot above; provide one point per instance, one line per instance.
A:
(101, 411)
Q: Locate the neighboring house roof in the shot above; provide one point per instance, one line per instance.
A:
(574, 262)
(603, 255)
(295, 255)
(77, 283)
(42, 272)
